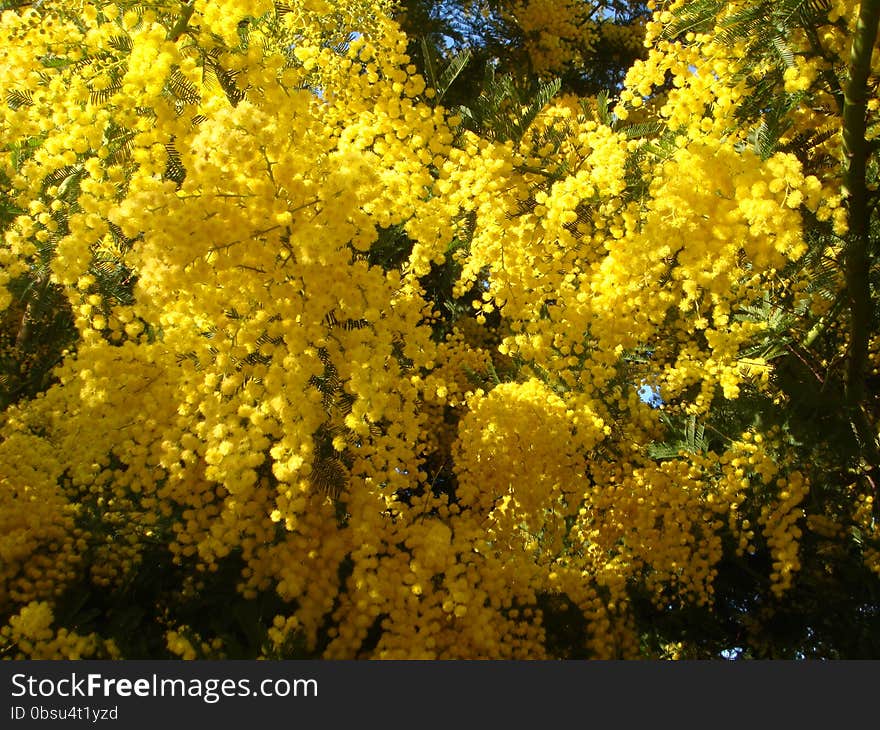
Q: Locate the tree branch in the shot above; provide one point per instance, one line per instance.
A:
(855, 148)
(185, 14)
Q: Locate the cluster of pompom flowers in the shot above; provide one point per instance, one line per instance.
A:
(273, 389)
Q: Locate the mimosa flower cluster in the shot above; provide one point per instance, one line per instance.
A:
(269, 394)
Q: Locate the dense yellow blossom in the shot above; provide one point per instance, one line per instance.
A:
(276, 396)
(30, 635)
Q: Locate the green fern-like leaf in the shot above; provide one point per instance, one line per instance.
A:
(503, 111)
(450, 73)
(181, 88)
(174, 169)
(121, 43)
(688, 436)
(225, 78)
(546, 91)
(693, 17)
(603, 112)
(648, 130)
(18, 98)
